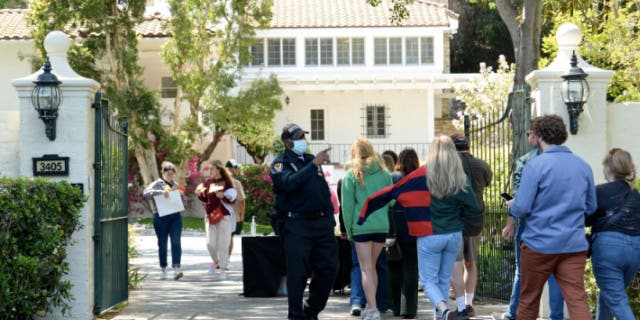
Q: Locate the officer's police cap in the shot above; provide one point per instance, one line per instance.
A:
(292, 131)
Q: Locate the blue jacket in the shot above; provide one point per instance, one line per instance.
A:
(300, 186)
(555, 195)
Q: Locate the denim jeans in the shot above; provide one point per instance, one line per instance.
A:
(515, 289)
(556, 301)
(615, 262)
(165, 227)
(436, 256)
(357, 292)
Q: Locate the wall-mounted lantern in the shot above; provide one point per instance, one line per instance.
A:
(575, 92)
(287, 100)
(46, 99)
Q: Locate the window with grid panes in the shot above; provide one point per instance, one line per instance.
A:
(289, 52)
(426, 50)
(357, 51)
(168, 88)
(317, 124)
(380, 51)
(273, 53)
(395, 50)
(326, 51)
(375, 122)
(411, 51)
(311, 52)
(343, 46)
(257, 53)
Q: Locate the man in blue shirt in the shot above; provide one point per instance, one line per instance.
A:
(556, 192)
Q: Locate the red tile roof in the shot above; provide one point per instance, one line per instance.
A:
(355, 13)
(13, 26)
(286, 14)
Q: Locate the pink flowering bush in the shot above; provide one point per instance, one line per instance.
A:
(193, 176)
(258, 189)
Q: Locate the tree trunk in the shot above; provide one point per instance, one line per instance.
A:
(525, 36)
(509, 15)
(206, 154)
(529, 48)
(147, 164)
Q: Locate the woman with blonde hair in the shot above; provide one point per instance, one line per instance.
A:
(435, 197)
(366, 175)
(218, 195)
(616, 235)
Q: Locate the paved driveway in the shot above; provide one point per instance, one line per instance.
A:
(201, 296)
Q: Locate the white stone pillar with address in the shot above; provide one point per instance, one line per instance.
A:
(75, 139)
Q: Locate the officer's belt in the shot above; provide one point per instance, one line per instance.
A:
(304, 215)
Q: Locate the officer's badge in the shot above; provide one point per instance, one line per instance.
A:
(277, 168)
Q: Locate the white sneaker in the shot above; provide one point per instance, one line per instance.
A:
(222, 275)
(356, 310)
(212, 269)
(177, 274)
(372, 315)
(163, 274)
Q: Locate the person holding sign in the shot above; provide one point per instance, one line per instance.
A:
(167, 224)
(218, 196)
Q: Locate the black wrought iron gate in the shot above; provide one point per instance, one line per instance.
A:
(111, 208)
(491, 139)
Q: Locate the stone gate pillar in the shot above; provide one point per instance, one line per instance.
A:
(75, 139)
(590, 142)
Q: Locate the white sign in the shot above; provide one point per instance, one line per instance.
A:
(169, 205)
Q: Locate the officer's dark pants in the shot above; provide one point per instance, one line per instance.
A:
(311, 249)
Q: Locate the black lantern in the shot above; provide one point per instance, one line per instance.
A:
(46, 99)
(575, 92)
(287, 100)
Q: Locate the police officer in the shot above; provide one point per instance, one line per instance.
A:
(303, 202)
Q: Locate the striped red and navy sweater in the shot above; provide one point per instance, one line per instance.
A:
(413, 194)
(425, 215)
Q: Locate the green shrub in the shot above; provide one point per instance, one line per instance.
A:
(257, 184)
(37, 220)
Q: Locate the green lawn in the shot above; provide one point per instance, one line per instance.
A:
(192, 223)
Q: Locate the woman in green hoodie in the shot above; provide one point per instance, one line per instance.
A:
(366, 175)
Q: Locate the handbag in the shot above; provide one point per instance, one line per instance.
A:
(215, 216)
(392, 245)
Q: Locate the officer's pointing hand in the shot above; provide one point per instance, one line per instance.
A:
(322, 157)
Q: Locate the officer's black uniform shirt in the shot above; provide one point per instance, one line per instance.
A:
(300, 186)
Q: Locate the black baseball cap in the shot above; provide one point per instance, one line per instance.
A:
(460, 141)
(292, 131)
(231, 163)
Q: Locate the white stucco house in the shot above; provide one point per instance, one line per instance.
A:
(345, 69)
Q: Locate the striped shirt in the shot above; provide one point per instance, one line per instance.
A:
(412, 193)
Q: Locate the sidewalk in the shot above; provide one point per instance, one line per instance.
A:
(199, 296)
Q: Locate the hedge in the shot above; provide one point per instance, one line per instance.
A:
(37, 220)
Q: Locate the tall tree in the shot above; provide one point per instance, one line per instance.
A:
(108, 54)
(481, 37)
(210, 44)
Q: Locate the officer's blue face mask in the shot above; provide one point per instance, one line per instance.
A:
(299, 146)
